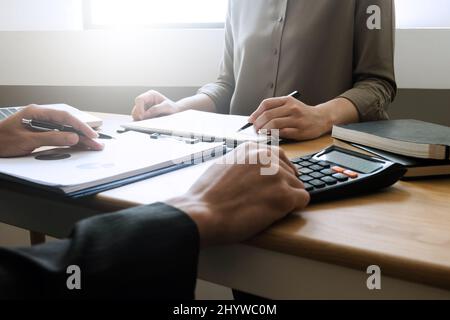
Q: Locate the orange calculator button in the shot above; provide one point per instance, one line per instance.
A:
(338, 169)
(351, 174)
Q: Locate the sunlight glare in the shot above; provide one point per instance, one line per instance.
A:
(148, 12)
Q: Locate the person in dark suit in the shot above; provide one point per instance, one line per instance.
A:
(149, 251)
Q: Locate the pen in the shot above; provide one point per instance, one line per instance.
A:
(294, 94)
(49, 126)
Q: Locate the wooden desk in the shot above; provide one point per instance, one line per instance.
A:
(324, 251)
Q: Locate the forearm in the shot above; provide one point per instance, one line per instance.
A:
(199, 102)
(337, 111)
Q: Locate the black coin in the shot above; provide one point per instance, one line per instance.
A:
(53, 156)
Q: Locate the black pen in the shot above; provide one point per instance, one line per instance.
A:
(294, 94)
(44, 126)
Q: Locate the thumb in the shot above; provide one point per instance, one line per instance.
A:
(302, 198)
(138, 110)
(56, 139)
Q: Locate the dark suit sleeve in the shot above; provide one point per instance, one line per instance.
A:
(145, 252)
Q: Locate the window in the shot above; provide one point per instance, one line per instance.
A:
(211, 13)
(423, 13)
(155, 13)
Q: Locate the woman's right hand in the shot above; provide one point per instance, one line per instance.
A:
(153, 104)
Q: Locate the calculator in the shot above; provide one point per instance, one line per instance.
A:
(336, 173)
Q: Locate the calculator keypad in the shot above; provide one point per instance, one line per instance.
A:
(340, 177)
(318, 184)
(306, 178)
(327, 172)
(329, 180)
(305, 171)
(317, 175)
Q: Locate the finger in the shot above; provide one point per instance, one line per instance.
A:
(292, 180)
(287, 173)
(145, 100)
(63, 118)
(276, 158)
(158, 111)
(269, 115)
(302, 198)
(91, 144)
(138, 112)
(54, 138)
(285, 159)
(282, 158)
(140, 104)
(268, 104)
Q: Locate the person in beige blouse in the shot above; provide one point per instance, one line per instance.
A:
(328, 50)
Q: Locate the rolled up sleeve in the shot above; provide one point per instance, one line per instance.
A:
(373, 75)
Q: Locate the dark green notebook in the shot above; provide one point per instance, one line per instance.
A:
(411, 138)
(416, 168)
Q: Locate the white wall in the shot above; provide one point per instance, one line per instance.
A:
(40, 15)
(110, 58)
(67, 55)
(175, 58)
(423, 13)
(422, 58)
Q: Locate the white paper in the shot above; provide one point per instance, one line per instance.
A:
(169, 185)
(200, 124)
(130, 154)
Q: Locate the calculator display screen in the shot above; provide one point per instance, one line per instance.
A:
(351, 162)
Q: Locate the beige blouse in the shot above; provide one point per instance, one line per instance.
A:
(322, 48)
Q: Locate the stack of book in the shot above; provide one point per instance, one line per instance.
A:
(422, 147)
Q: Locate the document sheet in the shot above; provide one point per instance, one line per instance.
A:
(205, 125)
(128, 155)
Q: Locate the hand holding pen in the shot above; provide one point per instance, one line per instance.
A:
(294, 119)
(252, 119)
(12, 130)
(45, 126)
